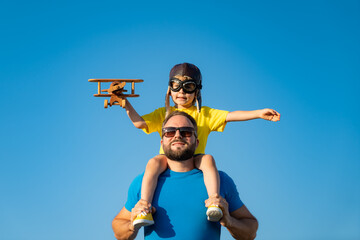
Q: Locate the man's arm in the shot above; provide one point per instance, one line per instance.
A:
(122, 226)
(241, 223)
(123, 223)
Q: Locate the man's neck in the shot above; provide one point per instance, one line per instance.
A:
(183, 166)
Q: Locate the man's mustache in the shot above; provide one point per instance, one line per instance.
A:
(178, 141)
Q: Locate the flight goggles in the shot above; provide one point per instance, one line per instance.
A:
(189, 86)
(184, 131)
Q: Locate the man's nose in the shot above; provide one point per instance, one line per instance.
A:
(177, 134)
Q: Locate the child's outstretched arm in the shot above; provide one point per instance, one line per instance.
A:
(135, 118)
(266, 114)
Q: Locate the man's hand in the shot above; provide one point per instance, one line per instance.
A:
(269, 114)
(218, 200)
(140, 207)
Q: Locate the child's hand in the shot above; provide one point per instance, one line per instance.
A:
(270, 114)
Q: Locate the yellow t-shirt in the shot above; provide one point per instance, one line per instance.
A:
(207, 120)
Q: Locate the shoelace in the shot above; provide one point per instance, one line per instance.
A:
(142, 214)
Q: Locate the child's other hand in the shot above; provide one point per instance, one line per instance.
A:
(270, 114)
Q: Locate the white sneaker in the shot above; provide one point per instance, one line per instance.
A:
(214, 213)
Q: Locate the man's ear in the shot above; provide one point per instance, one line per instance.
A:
(197, 142)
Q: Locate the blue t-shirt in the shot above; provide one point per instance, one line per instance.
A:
(179, 200)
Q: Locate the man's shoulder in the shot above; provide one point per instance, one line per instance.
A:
(139, 177)
(224, 175)
(226, 181)
(228, 190)
(136, 182)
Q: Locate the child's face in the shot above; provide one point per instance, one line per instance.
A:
(180, 98)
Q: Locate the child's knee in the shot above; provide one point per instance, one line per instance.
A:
(208, 157)
(205, 160)
(157, 161)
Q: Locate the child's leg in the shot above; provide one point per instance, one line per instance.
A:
(154, 168)
(206, 163)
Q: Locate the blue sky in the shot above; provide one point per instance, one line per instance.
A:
(66, 162)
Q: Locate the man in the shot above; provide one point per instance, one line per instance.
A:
(181, 187)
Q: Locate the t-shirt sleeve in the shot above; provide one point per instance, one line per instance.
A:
(133, 193)
(217, 119)
(229, 191)
(154, 120)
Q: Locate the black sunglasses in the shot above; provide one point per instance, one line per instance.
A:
(184, 131)
(189, 86)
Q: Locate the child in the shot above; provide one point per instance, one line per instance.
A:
(184, 87)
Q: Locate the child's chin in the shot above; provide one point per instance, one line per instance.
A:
(182, 101)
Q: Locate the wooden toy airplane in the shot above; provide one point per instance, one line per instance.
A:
(116, 90)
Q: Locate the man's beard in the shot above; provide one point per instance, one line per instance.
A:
(179, 155)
